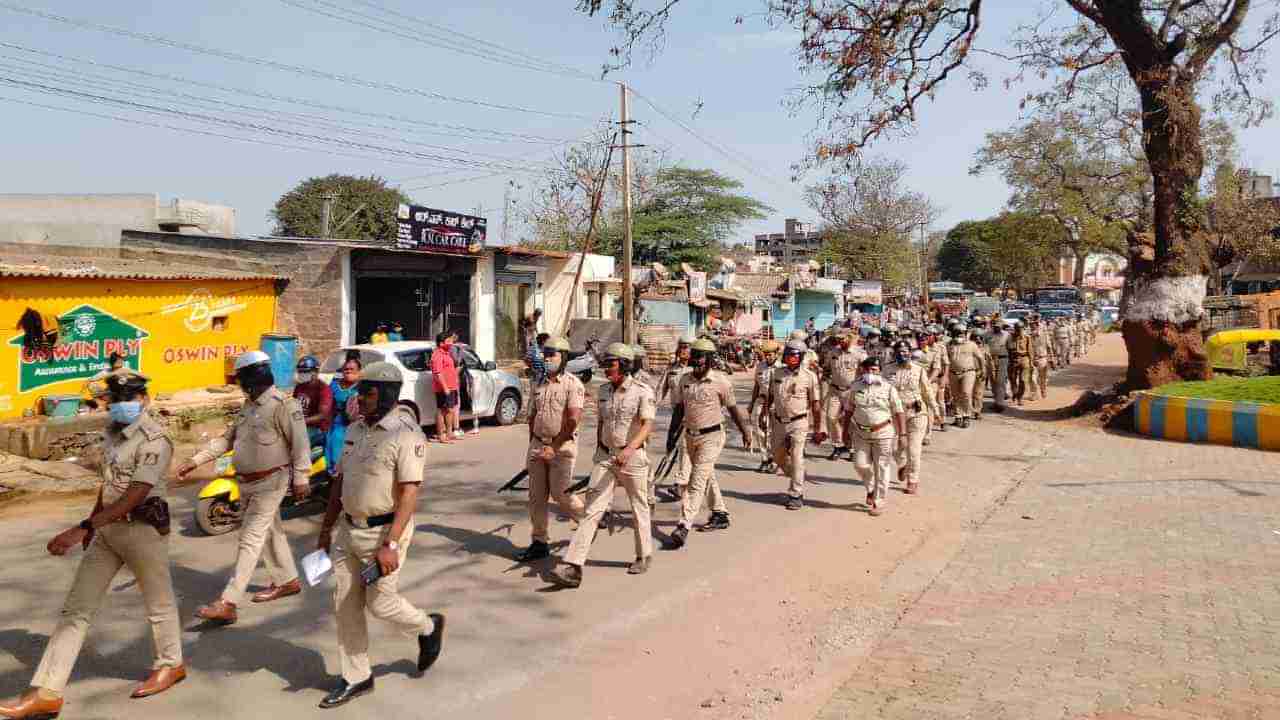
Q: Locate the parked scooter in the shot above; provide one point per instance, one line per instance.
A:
(583, 364)
(219, 510)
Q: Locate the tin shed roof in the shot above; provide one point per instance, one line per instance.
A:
(122, 269)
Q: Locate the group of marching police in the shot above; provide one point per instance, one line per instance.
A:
(876, 393)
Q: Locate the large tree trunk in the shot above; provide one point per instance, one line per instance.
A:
(1077, 274)
(1166, 296)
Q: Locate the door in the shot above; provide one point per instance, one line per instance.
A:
(483, 387)
(509, 306)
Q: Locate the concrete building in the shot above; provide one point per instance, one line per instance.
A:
(96, 220)
(798, 243)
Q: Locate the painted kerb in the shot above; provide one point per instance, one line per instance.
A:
(1219, 422)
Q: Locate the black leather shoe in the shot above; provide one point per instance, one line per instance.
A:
(795, 503)
(678, 536)
(718, 521)
(568, 577)
(429, 645)
(345, 693)
(537, 550)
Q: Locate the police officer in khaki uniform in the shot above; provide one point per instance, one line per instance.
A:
(696, 415)
(1019, 362)
(940, 373)
(626, 412)
(759, 391)
(129, 527)
(554, 417)
(841, 370)
(794, 402)
(670, 381)
(270, 444)
(916, 393)
(873, 410)
(963, 354)
(1042, 355)
(374, 494)
(986, 370)
(998, 344)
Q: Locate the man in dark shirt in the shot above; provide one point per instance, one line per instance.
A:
(533, 360)
(316, 400)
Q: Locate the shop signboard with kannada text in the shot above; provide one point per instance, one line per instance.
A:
(441, 231)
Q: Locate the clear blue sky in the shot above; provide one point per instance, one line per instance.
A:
(739, 72)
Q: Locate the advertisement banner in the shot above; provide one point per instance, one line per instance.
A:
(428, 229)
(864, 292)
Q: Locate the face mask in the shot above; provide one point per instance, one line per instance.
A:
(306, 377)
(125, 413)
(901, 357)
(870, 378)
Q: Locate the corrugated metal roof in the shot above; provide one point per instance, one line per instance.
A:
(761, 285)
(118, 269)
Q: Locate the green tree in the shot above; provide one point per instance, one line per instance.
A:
(965, 256)
(364, 208)
(1011, 250)
(685, 218)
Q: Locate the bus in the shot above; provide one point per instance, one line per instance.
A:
(1056, 295)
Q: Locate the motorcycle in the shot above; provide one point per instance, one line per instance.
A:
(583, 364)
(218, 507)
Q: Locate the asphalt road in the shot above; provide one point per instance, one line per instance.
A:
(762, 620)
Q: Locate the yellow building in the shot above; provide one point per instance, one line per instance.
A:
(177, 326)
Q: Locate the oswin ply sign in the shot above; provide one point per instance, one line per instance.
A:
(179, 333)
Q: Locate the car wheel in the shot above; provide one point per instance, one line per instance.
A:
(508, 407)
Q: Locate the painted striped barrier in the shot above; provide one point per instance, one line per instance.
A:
(1219, 422)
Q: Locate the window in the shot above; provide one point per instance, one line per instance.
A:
(766, 315)
(220, 323)
(593, 304)
(470, 359)
(416, 360)
(335, 360)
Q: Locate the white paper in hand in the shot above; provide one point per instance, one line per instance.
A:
(316, 566)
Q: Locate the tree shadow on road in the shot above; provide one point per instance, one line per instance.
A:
(780, 500)
(1226, 483)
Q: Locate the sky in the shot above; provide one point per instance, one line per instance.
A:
(453, 127)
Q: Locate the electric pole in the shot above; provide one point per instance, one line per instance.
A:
(326, 213)
(506, 209)
(628, 295)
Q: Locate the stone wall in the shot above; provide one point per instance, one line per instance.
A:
(310, 304)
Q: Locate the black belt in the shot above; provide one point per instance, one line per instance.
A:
(797, 417)
(372, 521)
(840, 388)
(706, 430)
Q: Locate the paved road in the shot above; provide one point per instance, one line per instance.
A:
(767, 619)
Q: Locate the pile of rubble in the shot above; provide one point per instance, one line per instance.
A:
(20, 475)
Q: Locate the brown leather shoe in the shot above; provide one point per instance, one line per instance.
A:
(30, 706)
(161, 679)
(219, 611)
(275, 592)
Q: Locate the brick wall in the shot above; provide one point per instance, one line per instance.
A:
(310, 304)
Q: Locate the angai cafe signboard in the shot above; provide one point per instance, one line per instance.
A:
(180, 333)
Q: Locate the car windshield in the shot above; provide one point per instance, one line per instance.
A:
(336, 358)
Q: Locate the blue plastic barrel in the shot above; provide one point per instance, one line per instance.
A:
(281, 349)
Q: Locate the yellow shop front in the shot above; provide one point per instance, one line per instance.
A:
(177, 327)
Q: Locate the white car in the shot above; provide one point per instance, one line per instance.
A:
(496, 393)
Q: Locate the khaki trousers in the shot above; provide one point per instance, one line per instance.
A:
(354, 548)
(917, 426)
(633, 477)
(787, 441)
(550, 479)
(941, 388)
(873, 459)
(703, 452)
(122, 544)
(1042, 377)
(962, 391)
(1001, 385)
(979, 390)
(1018, 378)
(1064, 353)
(262, 536)
(831, 411)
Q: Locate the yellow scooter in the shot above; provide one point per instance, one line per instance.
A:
(219, 510)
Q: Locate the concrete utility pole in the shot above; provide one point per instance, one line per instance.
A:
(628, 294)
(326, 213)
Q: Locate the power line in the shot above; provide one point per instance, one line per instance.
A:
(257, 113)
(519, 137)
(257, 127)
(377, 24)
(275, 65)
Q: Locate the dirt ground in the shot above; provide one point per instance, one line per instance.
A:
(764, 620)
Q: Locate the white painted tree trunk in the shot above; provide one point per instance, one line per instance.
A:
(1175, 300)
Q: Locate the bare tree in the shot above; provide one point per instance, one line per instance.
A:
(878, 63)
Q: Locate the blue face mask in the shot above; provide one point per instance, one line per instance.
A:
(125, 413)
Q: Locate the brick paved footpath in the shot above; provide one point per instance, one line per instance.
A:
(1124, 578)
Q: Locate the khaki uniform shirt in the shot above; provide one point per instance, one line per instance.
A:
(670, 380)
(999, 344)
(1041, 346)
(936, 361)
(963, 356)
(792, 393)
(844, 368)
(623, 410)
(139, 453)
(1020, 349)
(376, 459)
(913, 386)
(703, 399)
(268, 432)
(871, 405)
(559, 395)
(763, 370)
(645, 378)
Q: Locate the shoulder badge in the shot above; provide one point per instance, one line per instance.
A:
(150, 458)
(420, 450)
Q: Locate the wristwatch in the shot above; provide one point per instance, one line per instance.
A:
(395, 546)
(86, 525)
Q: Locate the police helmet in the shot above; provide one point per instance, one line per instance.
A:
(619, 351)
(124, 383)
(308, 364)
(557, 343)
(387, 378)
